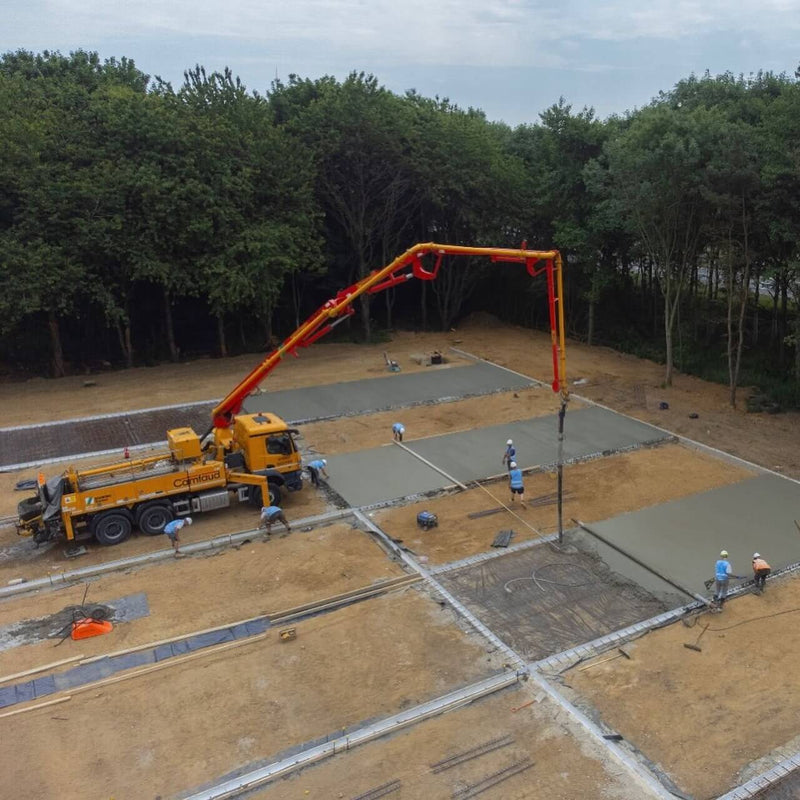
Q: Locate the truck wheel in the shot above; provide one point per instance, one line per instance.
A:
(275, 494)
(153, 518)
(257, 499)
(112, 528)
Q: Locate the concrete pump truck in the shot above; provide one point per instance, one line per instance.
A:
(248, 457)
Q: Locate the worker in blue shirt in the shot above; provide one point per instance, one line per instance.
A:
(272, 514)
(722, 576)
(173, 529)
(515, 482)
(510, 454)
(398, 429)
(314, 468)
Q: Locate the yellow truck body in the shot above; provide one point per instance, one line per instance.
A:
(252, 461)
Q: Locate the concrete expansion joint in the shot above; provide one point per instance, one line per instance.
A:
(639, 771)
(774, 776)
(515, 659)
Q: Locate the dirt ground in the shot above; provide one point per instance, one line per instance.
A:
(372, 430)
(246, 704)
(19, 557)
(623, 382)
(708, 718)
(566, 763)
(259, 578)
(45, 400)
(599, 490)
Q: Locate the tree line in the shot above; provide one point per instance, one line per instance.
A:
(140, 222)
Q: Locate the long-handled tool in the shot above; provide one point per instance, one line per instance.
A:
(696, 645)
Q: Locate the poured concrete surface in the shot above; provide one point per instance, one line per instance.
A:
(478, 453)
(383, 473)
(31, 445)
(395, 390)
(683, 538)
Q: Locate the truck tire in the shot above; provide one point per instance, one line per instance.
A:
(112, 527)
(153, 517)
(256, 496)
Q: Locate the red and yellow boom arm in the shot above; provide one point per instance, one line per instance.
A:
(407, 266)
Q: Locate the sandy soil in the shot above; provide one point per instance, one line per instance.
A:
(623, 382)
(19, 557)
(567, 765)
(44, 400)
(247, 704)
(600, 489)
(706, 717)
(360, 433)
(259, 578)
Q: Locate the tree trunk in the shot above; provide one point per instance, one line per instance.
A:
(424, 305)
(590, 331)
(124, 335)
(745, 289)
(169, 327)
(782, 320)
(667, 344)
(365, 320)
(223, 346)
(55, 345)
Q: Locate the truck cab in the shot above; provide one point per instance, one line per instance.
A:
(262, 444)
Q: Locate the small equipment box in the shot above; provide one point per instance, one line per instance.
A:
(426, 520)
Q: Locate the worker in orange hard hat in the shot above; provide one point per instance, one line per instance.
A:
(760, 572)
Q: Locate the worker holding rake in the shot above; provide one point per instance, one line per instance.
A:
(722, 575)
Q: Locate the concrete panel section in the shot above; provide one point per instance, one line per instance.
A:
(383, 473)
(478, 453)
(395, 390)
(682, 538)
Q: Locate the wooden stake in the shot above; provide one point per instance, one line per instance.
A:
(34, 670)
(38, 705)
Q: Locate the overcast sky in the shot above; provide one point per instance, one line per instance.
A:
(511, 58)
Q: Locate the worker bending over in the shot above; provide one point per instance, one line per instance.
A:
(398, 429)
(173, 529)
(760, 572)
(510, 454)
(314, 468)
(270, 515)
(515, 482)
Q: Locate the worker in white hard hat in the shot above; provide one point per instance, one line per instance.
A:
(760, 572)
(515, 483)
(314, 468)
(510, 454)
(173, 529)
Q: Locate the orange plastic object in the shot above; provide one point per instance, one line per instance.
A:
(86, 628)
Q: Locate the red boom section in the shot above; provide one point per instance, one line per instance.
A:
(404, 268)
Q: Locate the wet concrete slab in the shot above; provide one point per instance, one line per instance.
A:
(394, 390)
(682, 538)
(383, 473)
(34, 444)
(542, 602)
(378, 474)
(476, 454)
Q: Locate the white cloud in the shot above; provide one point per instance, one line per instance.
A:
(491, 33)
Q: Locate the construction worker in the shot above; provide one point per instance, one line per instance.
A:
(510, 454)
(398, 429)
(760, 572)
(270, 515)
(515, 482)
(722, 576)
(173, 529)
(314, 468)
